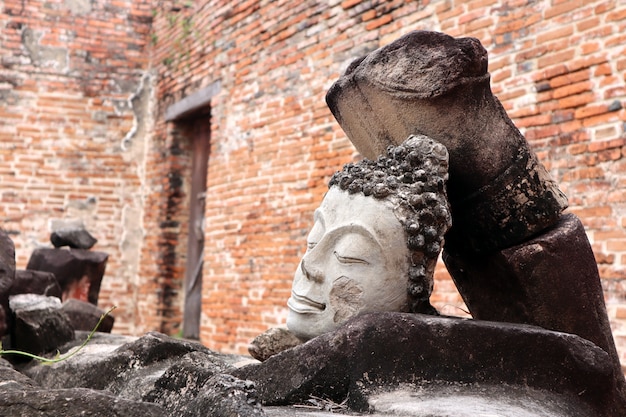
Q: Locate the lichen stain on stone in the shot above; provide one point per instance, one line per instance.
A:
(345, 298)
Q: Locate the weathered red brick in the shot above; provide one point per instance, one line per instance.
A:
(274, 143)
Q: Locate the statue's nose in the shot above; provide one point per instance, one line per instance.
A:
(311, 272)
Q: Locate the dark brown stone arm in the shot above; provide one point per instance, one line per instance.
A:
(432, 84)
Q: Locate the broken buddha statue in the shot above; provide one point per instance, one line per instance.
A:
(375, 241)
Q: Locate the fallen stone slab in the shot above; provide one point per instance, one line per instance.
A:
(110, 367)
(222, 395)
(377, 351)
(71, 403)
(469, 400)
(12, 379)
(182, 377)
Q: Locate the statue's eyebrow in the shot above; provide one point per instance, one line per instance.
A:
(363, 231)
(318, 216)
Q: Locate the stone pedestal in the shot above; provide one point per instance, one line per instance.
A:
(543, 372)
(78, 271)
(550, 281)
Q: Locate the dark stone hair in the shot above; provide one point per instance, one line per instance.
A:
(412, 176)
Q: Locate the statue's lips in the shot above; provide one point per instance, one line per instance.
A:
(302, 304)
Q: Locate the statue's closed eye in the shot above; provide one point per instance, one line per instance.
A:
(349, 259)
(311, 245)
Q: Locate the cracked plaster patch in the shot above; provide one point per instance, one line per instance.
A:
(78, 6)
(44, 56)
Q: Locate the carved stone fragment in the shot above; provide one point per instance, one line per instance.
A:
(376, 239)
(271, 342)
(433, 84)
(550, 281)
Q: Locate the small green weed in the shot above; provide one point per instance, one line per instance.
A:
(58, 357)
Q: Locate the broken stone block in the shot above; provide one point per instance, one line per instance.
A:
(73, 402)
(72, 233)
(224, 395)
(183, 378)
(78, 271)
(550, 281)
(39, 325)
(85, 316)
(77, 239)
(5, 324)
(429, 355)
(194, 385)
(27, 282)
(7, 276)
(432, 84)
(131, 367)
(36, 282)
(271, 342)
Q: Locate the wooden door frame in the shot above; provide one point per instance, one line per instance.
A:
(200, 150)
(189, 111)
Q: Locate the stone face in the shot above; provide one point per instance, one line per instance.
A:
(85, 316)
(39, 325)
(381, 350)
(375, 241)
(271, 342)
(347, 270)
(72, 268)
(432, 84)
(550, 281)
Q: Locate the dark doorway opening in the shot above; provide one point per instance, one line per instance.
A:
(200, 130)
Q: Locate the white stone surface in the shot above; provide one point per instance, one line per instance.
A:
(356, 262)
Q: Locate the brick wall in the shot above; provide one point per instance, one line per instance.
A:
(559, 68)
(74, 97)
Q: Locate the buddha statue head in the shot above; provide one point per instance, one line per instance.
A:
(375, 240)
